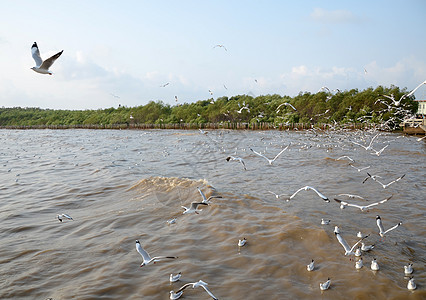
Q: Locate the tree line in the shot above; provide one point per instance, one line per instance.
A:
(349, 106)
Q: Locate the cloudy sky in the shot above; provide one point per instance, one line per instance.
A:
(122, 52)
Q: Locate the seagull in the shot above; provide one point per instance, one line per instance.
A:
(348, 250)
(382, 231)
(148, 259)
(174, 278)
(345, 156)
(359, 234)
(237, 159)
(174, 296)
(359, 169)
(359, 264)
(343, 204)
(287, 104)
(370, 176)
(203, 131)
(199, 283)
(325, 222)
(42, 67)
(351, 196)
(164, 85)
(311, 266)
(371, 142)
(306, 188)
(366, 248)
(380, 151)
(386, 185)
(192, 208)
(358, 252)
(374, 265)
(242, 242)
(324, 286)
(408, 269)
(411, 284)
(171, 221)
(205, 200)
(61, 216)
(276, 195)
(270, 161)
(221, 46)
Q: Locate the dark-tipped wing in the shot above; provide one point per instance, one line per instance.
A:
(49, 62)
(36, 55)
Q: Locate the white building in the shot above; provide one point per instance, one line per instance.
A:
(421, 110)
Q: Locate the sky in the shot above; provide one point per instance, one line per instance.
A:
(123, 52)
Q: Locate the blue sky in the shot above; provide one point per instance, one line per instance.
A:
(128, 49)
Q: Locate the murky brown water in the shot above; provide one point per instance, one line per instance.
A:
(120, 186)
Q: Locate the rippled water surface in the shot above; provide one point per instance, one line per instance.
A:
(120, 186)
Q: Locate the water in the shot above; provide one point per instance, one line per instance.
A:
(120, 186)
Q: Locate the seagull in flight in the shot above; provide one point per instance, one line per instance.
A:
(352, 196)
(205, 199)
(221, 46)
(379, 151)
(192, 208)
(199, 283)
(42, 67)
(306, 188)
(164, 85)
(276, 195)
(237, 159)
(348, 250)
(147, 259)
(359, 169)
(343, 204)
(371, 143)
(287, 104)
(61, 216)
(345, 156)
(386, 185)
(270, 161)
(382, 231)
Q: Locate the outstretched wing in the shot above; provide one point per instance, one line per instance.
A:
(208, 291)
(184, 287)
(377, 203)
(318, 193)
(142, 252)
(295, 193)
(36, 55)
(202, 194)
(343, 242)
(261, 155)
(49, 62)
(280, 153)
(392, 228)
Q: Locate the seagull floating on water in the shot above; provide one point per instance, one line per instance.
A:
(199, 283)
(310, 266)
(174, 278)
(374, 265)
(147, 259)
(358, 252)
(359, 264)
(61, 216)
(382, 231)
(242, 242)
(366, 248)
(193, 207)
(324, 286)
(270, 161)
(411, 284)
(325, 222)
(174, 296)
(42, 67)
(408, 269)
(306, 188)
(343, 204)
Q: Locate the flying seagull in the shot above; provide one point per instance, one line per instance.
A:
(348, 250)
(221, 46)
(287, 104)
(147, 259)
(42, 67)
(369, 146)
(382, 231)
(343, 204)
(199, 283)
(386, 185)
(205, 199)
(270, 161)
(192, 208)
(237, 159)
(61, 216)
(306, 188)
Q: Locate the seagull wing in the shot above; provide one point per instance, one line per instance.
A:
(318, 193)
(261, 155)
(142, 252)
(392, 228)
(372, 140)
(343, 242)
(280, 153)
(202, 194)
(184, 287)
(295, 193)
(158, 258)
(49, 62)
(353, 247)
(377, 203)
(208, 291)
(36, 55)
(194, 205)
(67, 216)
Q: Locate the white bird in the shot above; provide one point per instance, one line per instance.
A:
(42, 67)
(374, 265)
(371, 142)
(359, 264)
(345, 156)
(386, 185)
(237, 159)
(351, 196)
(242, 242)
(343, 204)
(380, 151)
(203, 131)
(270, 161)
(382, 231)
(276, 195)
(359, 234)
(358, 252)
(199, 283)
(147, 259)
(192, 208)
(287, 104)
(359, 169)
(408, 269)
(171, 221)
(366, 248)
(348, 250)
(174, 296)
(61, 216)
(306, 188)
(324, 286)
(411, 284)
(221, 46)
(374, 177)
(205, 199)
(174, 278)
(325, 222)
(310, 266)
